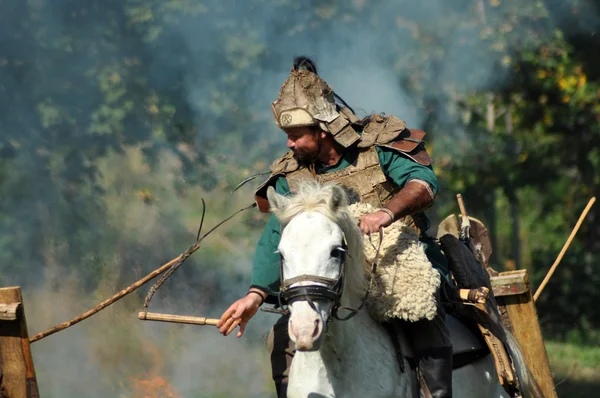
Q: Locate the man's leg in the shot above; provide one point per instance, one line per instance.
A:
(431, 339)
(433, 352)
(282, 352)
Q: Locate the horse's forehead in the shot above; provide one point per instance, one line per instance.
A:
(311, 227)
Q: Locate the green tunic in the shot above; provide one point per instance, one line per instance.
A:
(397, 167)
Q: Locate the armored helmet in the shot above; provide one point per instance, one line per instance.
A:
(307, 100)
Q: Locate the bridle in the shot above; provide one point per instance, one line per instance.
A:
(323, 288)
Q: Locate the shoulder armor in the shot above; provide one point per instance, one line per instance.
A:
(260, 194)
(392, 132)
(285, 164)
(381, 130)
(410, 143)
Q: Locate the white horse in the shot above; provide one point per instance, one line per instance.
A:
(323, 269)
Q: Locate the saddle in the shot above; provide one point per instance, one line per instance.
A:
(467, 345)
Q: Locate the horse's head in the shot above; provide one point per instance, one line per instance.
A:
(319, 247)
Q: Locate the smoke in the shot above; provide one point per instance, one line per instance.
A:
(413, 59)
(117, 116)
(115, 354)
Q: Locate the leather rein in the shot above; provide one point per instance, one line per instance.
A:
(324, 288)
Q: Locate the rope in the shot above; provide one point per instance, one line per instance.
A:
(188, 253)
(354, 311)
(175, 266)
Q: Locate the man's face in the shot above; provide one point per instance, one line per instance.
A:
(305, 142)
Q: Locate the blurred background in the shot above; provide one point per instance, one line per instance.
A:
(118, 116)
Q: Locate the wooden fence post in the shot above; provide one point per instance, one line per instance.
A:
(514, 299)
(17, 374)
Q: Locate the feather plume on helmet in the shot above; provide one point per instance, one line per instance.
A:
(307, 100)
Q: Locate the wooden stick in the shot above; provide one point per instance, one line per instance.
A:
(461, 205)
(564, 249)
(108, 301)
(190, 320)
(465, 222)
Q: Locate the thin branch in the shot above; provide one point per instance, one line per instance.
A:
(173, 263)
(202, 219)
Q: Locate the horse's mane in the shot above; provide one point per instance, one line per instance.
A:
(314, 197)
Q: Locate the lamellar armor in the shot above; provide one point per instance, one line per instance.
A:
(307, 100)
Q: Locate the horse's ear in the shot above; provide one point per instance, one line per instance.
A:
(338, 198)
(277, 202)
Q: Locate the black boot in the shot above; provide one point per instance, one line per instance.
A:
(435, 366)
(281, 389)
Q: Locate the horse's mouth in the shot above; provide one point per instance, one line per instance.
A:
(306, 337)
(308, 346)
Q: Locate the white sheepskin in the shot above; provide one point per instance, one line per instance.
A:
(405, 282)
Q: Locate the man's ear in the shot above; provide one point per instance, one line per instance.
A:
(277, 202)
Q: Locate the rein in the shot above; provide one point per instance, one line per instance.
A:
(332, 290)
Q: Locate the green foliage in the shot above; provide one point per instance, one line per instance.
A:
(575, 368)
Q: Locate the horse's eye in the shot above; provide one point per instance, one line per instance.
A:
(338, 253)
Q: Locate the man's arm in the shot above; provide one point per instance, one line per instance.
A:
(265, 268)
(418, 186)
(265, 279)
(413, 198)
(265, 275)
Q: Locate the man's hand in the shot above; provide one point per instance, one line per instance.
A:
(239, 313)
(370, 223)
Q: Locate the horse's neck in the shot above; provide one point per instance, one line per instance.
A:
(344, 341)
(322, 370)
(343, 336)
(344, 333)
(337, 366)
(356, 359)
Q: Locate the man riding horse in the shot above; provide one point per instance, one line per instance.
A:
(379, 161)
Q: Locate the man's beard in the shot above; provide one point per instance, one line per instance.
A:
(304, 158)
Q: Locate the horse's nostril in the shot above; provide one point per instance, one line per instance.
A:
(316, 329)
